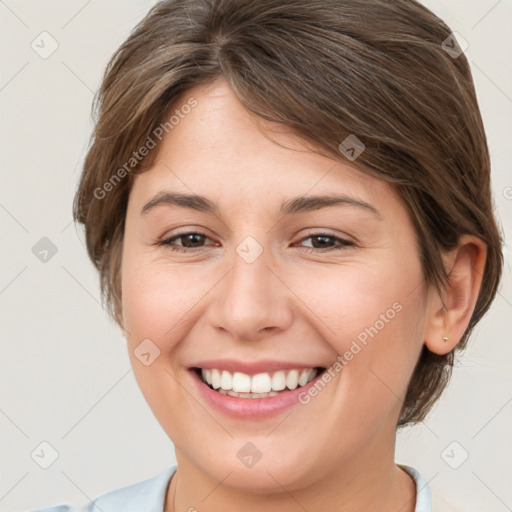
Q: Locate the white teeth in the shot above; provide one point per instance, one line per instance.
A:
(241, 383)
(249, 395)
(260, 385)
(292, 379)
(226, 380)
(278, 380)
(304, 376)
(215, 378)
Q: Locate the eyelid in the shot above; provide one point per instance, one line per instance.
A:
(326, 232)
(174, 233)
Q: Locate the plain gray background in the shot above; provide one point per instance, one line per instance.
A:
(65, 374)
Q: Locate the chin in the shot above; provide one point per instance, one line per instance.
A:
(290, 469)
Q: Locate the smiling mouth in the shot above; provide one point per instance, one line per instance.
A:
(260, 385)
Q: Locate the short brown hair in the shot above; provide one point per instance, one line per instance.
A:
(326, 69)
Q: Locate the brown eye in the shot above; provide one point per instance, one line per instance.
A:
(189, 241)
(323, 242)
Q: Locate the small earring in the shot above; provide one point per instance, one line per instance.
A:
(445, 339)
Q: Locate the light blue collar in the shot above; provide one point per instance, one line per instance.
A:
(423, 494)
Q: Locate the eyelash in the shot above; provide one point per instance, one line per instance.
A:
(343, 243)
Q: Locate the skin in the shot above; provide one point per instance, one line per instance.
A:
(336, 452)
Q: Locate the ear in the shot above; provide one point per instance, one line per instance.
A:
(449, 316)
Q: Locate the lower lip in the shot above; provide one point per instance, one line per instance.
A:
(251, 408)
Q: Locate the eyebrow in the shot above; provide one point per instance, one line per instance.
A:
(291, 206)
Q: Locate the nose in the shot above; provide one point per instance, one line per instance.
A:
(252, 302)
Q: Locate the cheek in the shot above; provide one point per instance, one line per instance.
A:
(356, 299)
(372, 316)
(160, 299)
(152, 301)
(157, 302)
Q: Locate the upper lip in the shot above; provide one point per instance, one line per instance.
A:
(253, 367)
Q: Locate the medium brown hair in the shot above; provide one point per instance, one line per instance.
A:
(326, 69)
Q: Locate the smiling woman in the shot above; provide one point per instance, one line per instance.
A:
(314, 239)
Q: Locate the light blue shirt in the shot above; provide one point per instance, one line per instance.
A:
(149, 496)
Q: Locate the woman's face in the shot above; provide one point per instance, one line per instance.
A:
(269, 282)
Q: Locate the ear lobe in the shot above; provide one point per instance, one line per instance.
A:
(450, 317)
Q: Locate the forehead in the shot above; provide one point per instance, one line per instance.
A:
(220, 150)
